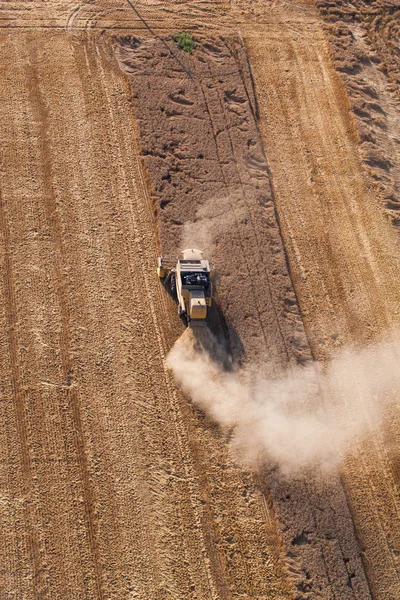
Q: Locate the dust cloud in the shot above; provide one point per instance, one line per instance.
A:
(303, 418)
(216, 215)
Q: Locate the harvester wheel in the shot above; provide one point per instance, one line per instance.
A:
(172, 285)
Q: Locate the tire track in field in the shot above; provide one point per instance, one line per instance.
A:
(41, 115)
(19, 405)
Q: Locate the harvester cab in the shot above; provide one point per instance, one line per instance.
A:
(189, 280)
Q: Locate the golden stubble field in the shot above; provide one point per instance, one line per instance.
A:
(113, 485)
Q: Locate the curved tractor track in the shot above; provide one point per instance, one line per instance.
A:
(112, 484)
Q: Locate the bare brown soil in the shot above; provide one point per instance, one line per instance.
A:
(381, 21)
(208, 172)
(112, 484)
(365, 41)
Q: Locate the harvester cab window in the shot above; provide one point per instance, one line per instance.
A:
(196, 278)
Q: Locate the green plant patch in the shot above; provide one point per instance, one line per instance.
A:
(185, 42)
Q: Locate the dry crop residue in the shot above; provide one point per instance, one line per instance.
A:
(113, 485)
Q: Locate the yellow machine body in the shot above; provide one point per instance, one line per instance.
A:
(190, 278)
(197, 307)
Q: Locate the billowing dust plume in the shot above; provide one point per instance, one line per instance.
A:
(302, 418)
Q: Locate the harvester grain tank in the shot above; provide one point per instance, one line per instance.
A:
(189, 279)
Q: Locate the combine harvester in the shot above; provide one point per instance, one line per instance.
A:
(190, 282)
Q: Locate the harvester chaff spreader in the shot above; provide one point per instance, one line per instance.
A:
(189, 280)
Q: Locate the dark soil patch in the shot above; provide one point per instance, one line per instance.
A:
(365, 42)
(201, 145)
